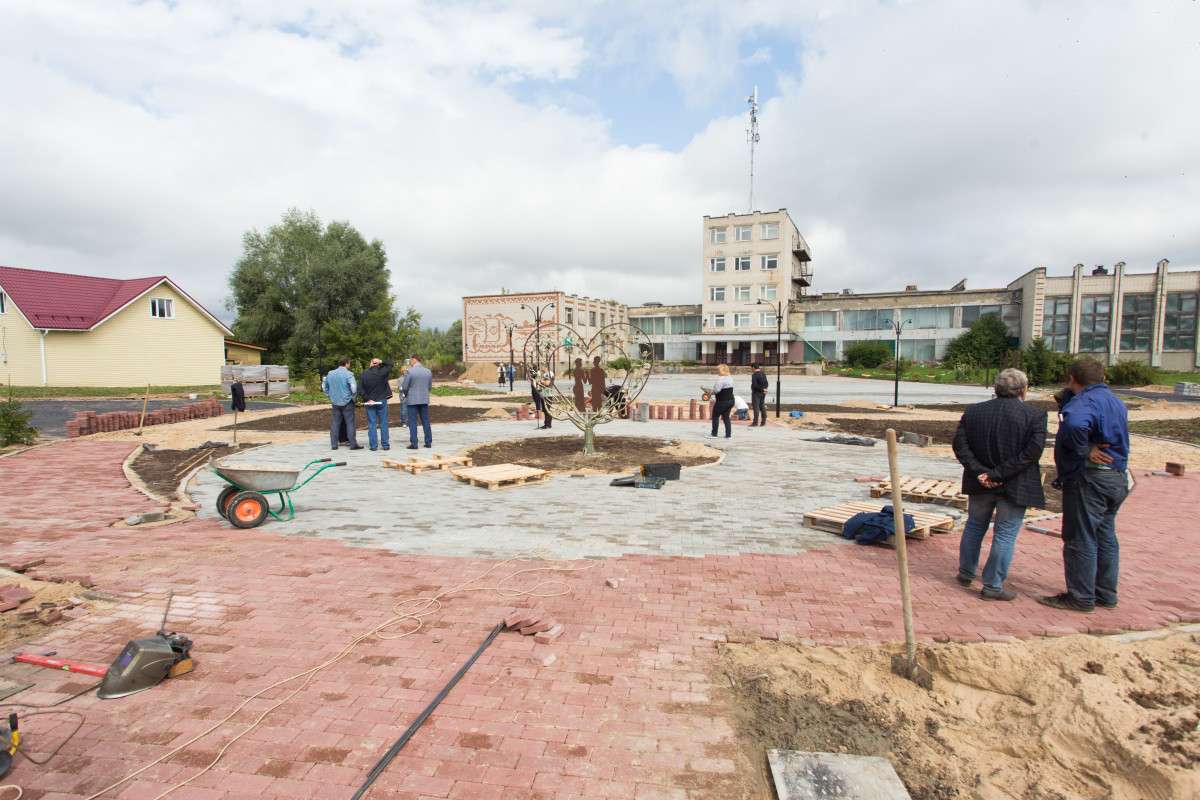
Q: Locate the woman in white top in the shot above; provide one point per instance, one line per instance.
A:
(722, 390)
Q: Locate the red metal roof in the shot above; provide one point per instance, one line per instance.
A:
(60, 301)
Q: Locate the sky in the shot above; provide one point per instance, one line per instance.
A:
(535, 144)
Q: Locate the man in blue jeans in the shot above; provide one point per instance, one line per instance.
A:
(417, 383)
(338, 385)
(999, 443)
(1091, 452)
(374, 390)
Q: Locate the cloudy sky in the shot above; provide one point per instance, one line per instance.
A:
(577, 145)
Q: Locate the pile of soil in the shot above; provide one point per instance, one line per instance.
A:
(450, 372)
(1183, 430)
(1046, 405)
(942, 431)
(614, 454)
(319, 419)
(162, 470)
(1078, 716)
(820, 408)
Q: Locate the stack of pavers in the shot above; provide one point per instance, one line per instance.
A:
(1187, 389)
(536, 623)
(89, 422)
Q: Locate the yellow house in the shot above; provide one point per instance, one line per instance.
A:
(243, 353)
(74, 330)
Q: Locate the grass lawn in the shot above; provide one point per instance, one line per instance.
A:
(50, 392)
(1171, 378)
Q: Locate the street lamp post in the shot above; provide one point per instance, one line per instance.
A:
(537, 332)
(778, 346)
(509, 328)
(896, 359)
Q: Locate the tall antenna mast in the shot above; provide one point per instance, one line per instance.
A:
(752, 138)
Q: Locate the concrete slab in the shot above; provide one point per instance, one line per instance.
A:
(800, 775)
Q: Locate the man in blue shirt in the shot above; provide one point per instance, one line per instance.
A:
(1091, 453)
(340, 388)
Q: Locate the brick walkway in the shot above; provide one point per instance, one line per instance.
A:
(627, 710)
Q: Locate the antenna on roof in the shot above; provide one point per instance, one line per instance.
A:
(752, 138)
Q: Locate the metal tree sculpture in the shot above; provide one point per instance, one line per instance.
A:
(592, 400)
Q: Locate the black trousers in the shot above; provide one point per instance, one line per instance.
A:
(721, 412)
(758, 401)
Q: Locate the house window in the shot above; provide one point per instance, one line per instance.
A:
(932, 317)
(768, 291)
(741, 263)
(1095, 319)
(820, 321)
(716, 265)
(162, 307)
(716, 294)
(1179, 324)
(918, 349)
(3, 303)
(741, 233)
(592, 318)
(601, 319)
(769, 262)
(718, 320)
(570, 315)
(1137, 322)
(972, 313)
(869, 319)
(741, 320)
(741, 293)
(1056, 323)
(770, 230)
(818, 351)
(766, 319)
(716, 235)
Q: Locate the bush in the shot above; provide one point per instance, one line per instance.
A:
(1130, 373)
(443, 361)
(890, 366)
(867, 354)
(622, 362)
(687, 363)
(986, 341)
(14, 423)
(1045, 366)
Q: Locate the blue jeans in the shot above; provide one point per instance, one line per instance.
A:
(377, 415)
(1007, 524)
(341, 413)
(1091, 555)
(422, 411)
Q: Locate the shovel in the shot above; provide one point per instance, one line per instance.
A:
(904, 665)
(144, 402)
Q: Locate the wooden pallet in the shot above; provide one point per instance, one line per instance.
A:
(924, 490)
(419, 466)
(501, 476)
(834, 519)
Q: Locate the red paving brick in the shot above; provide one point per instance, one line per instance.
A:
(609, 718)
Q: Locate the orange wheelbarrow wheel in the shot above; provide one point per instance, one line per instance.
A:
(247, 509)
(223, 499)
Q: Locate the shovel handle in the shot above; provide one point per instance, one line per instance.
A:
(910, 642)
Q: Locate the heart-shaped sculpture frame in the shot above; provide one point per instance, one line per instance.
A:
(593, 400)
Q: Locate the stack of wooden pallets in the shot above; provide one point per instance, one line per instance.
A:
(501, 476)
(924, 490)
(834, 519)
(437, 463)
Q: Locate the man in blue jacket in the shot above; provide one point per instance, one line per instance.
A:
(416, 385)
(340, 388)
(1091, 452)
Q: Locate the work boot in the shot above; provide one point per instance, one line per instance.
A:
(1003, 594)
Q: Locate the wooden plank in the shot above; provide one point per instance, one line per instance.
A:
(922, 490)
(419, 466)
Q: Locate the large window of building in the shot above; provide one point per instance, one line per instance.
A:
(654, 326)
(1095, 321)
(716, 235)
(716, 320)
(766, 319)
(1137, 322)
(918, 349)
(1179, 323)
(690, 324)
(592, 318)
(741, 293)
(742, 233)
(716, 294)
(570, 315)
(930, 317)
(972, 313)
(820, 321)
(770, 230)
(867, 319)
(741, 263)
(1056, 323)
(814, 351)
(769, 262)
(768, 291)
(741, 320)
(716, 265)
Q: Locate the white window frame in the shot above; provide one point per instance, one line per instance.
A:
(738, 261)
(769, 261)
(766, 319)
(716, 264)
(570, 315)
(717, 320)
(3, 303)
(158, 304)
(592, 318)
(768, 291)
(743, 233)
(716, 235)
(741, 294)
(716, 294)
(741, 320)
(769, 230)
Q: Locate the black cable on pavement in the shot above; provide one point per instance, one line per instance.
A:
(383, 762)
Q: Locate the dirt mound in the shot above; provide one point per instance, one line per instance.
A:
(1074, 717)
(861, 404)
(615, 455)
(480, 372)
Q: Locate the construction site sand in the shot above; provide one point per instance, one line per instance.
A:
(1074, 717)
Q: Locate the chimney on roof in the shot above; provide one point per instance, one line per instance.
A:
(1100, 270)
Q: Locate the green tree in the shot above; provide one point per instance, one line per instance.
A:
(1043, 365)
(300, 277)
(434, 342)
(867, 354)
(381, 334)
(985, 341)
(14, 422)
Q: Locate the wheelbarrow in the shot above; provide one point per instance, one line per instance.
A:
(244, 501)
(706, 393)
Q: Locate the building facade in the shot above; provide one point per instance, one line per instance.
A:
(753, 265)
(496, 326)
(672, 329)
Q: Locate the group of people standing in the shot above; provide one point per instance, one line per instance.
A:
(374, 388)
(726, 400)
(1000, 444)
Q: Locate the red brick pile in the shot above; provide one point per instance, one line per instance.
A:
(535, 623)
(88, 422)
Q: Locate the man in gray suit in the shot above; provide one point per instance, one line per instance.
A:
(999, 443)
(418, 380)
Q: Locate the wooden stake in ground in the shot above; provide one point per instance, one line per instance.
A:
(144, 402)
(905, 665)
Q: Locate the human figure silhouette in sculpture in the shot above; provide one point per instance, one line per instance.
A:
(580, 392)
(596, 378)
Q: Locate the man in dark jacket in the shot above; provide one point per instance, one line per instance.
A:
(374, 390)
(999, 443)
(758, 396)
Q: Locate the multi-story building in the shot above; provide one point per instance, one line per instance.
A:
(753, 266)
(497, 325)
(671, 329)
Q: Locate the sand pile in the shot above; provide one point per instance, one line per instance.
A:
(480, 372)
(1076, 717)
